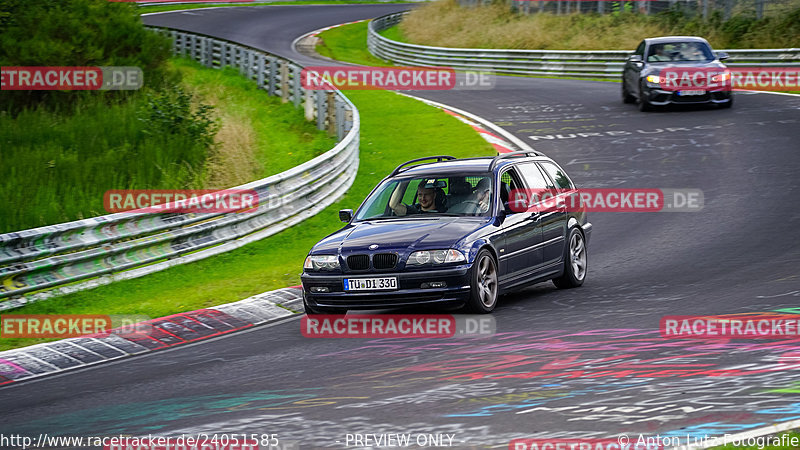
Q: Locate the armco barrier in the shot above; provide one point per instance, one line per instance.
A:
(573, 63)
(62, 258)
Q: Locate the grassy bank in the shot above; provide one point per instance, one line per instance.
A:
(259, 135)
(394, 129)
(444, 23)
(45, 151)
(348, 43)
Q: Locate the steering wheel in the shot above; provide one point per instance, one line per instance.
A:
(476, 207)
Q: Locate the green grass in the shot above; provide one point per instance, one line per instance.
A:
(348, 43)
(262, 135)
(163, 8)
(393, 33)
(394, 129)
(44, 151)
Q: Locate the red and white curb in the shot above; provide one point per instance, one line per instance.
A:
(155, 334)
(317, 32)
(502, 140)
(497, 142)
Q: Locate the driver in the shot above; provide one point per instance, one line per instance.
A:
(426, 199)
(659, 54)
(483, 194)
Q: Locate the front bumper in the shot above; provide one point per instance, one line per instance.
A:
(409, 292)
(660, 97)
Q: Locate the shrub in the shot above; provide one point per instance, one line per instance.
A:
(76, 33)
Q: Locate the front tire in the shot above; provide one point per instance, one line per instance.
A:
(575, 261)
(644, 105)
(483, 285)
(626, 96)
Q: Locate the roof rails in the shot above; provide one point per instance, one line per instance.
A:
(500, 157)
(439, 158)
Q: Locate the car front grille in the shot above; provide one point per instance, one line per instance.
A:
(358, 262)
(384, 260)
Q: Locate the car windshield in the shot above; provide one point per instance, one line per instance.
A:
(679, 51)
(452, 195)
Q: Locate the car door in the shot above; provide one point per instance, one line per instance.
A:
(521, 230)
(556, 232)
(552, 212)
(633, 68)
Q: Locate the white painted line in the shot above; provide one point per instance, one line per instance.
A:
(502, 132)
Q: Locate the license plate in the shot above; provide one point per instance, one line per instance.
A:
(370, 284)
(691, 93)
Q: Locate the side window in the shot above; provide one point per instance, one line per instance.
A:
(410, 195)
(555, 172)
(640, 49)
(510, 184)
(533, 176)
(380, 205)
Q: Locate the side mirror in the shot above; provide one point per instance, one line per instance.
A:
(722, 56)
(346, 215)
(635, 58)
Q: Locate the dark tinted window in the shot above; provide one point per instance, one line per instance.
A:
(679, 51)
(561, 179)
(640, 49)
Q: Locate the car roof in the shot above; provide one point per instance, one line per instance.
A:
(664, 39)
(459, 166)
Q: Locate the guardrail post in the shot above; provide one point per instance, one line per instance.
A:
(284, 81)
(243, 62)
(260, 69)
(271, 73)
(205, 46)
(331, 112)
(308, 106)
(339, 119)
(297, 88)
(176, 43)
(348, 120)
(320, 109)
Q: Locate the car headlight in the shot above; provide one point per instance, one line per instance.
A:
(423, 257)
(721, 78)
(653, 79)
(321, 262)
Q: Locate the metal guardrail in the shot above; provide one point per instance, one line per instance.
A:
(56, 257)
(571, 63)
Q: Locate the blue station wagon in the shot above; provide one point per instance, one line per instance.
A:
(441, 231)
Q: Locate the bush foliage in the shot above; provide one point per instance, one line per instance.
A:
(76, 33)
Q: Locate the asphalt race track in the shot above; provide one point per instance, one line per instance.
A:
(584, 363)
